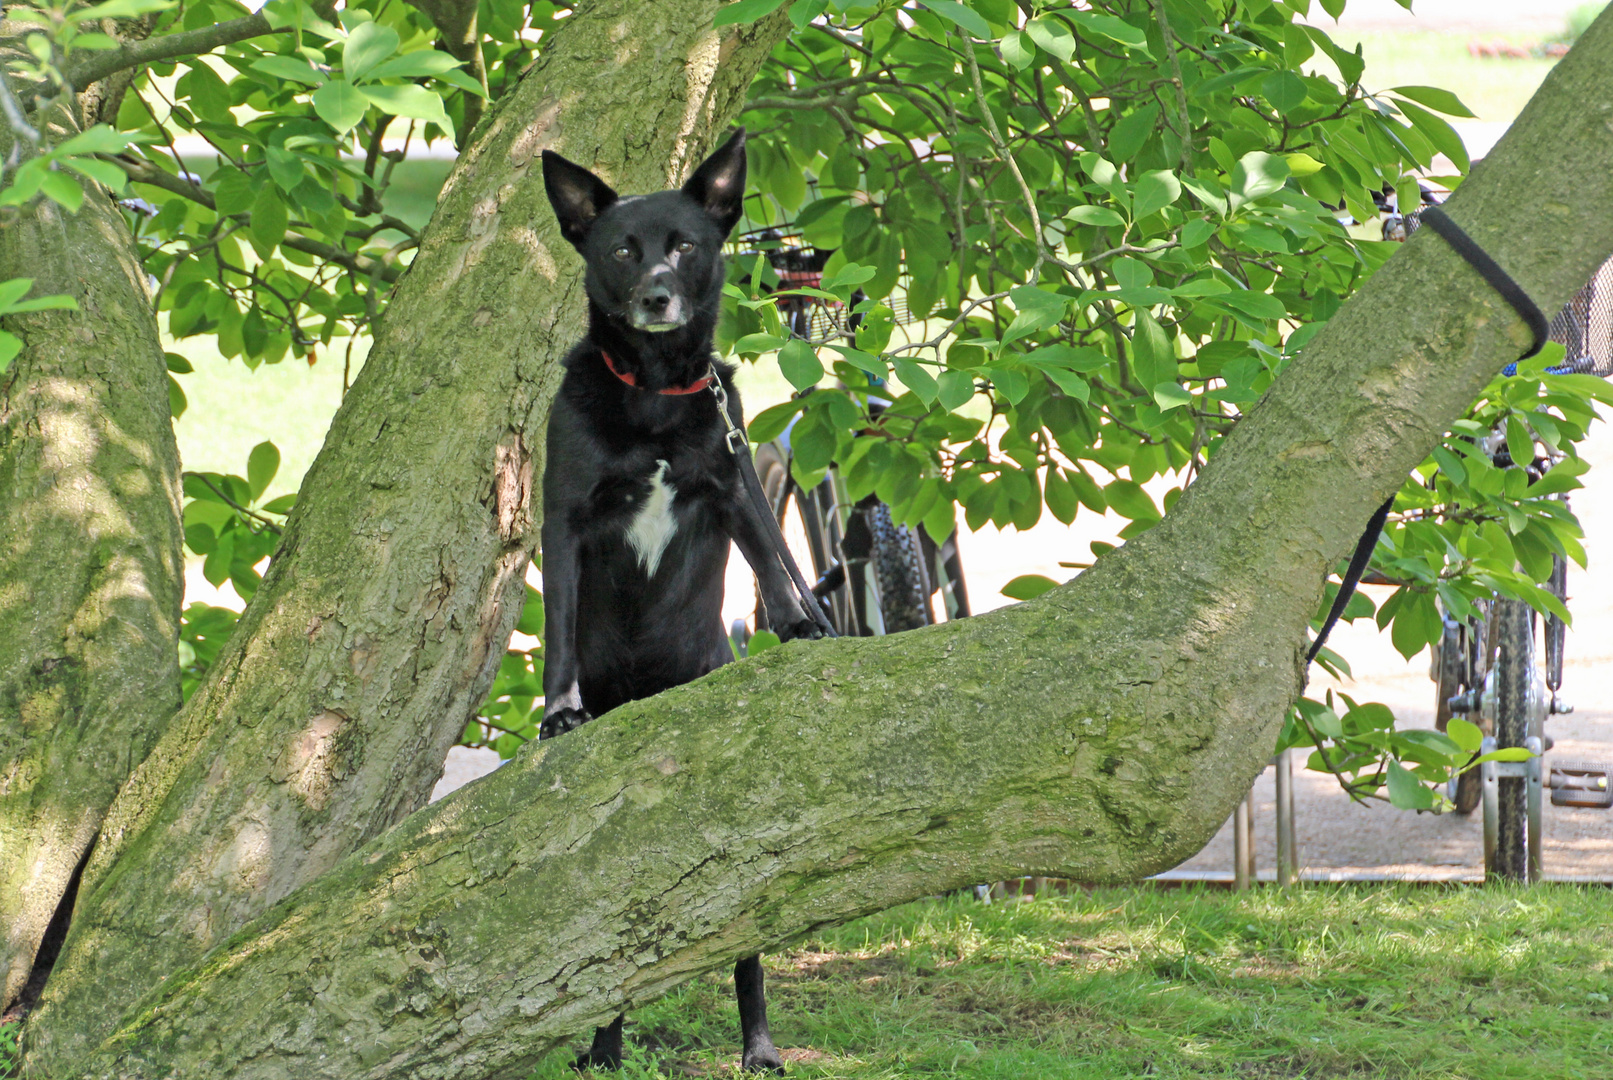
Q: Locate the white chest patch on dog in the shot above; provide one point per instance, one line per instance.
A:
(654, 524)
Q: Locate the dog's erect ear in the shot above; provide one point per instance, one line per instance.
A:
(577, 195)
(719, 184)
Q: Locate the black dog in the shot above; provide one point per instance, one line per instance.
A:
(641, 494)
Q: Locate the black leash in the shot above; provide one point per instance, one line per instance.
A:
(739, 446)
(1499, 280)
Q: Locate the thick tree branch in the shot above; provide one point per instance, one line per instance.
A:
(92, 67)
(384, 614)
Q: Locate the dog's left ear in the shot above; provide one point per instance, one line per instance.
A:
(719, 184)
(577, 195)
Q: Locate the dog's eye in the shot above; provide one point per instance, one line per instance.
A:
(685, 246)
(624, 252)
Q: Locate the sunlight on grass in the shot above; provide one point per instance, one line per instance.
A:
(1416, 983)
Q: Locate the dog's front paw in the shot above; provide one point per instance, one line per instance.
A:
(803, 627)
(561, 721)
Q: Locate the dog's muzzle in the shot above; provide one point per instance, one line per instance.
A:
(654, 308)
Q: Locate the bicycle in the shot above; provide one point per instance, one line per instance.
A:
(1487, 667)
(874, 575)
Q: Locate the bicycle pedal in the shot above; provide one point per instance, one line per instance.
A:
(1581, 783)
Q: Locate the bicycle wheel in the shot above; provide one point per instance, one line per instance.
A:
(900, 586)
(1514, 672)
(1450, 670)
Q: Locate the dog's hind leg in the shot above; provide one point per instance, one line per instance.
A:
(759, 1054)
(606, 1053)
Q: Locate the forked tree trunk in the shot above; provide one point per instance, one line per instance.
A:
(1101, 732)
(90, 567)
(384, 614)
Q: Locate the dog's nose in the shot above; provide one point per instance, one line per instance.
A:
(656, 299)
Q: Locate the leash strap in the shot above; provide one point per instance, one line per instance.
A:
(1491, 272)
(739, 446)
(1499, 280)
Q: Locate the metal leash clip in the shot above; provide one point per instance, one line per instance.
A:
(737, 442)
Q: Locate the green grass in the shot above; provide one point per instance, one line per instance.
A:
(1317, 982)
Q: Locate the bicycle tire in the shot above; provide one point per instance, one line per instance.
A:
(1450, 671)
(1514, 674)
(901, 588)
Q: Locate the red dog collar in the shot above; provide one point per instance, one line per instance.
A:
(632, 380)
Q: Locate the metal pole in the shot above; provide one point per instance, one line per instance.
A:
(1240, 846)
(1286, 870)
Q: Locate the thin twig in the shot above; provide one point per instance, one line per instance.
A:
(267, 523)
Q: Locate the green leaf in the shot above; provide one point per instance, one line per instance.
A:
(802, 12)
(99, 139)
(758, 343)
(1128, 499)
(1153, 358)
(1115, 29)
(282, 505)
(10, 346)
(956, 388)
(916, 379)
(414, 65)
(1170, 395)
(1154, 191)
(1060, 496)
(849, 275)
(1439, 132)
(41, 303)
(1017, 49)
(800, 364)
(119, 9)
(761, 641)
(410, 100)
(261, 465)
(745, 11)
(12, 291)
(962, 16)
(1406, 792)
(1053, 36)
(367, 45)
(177, 403)
(285, 168)
(63, 189)
(1096, 215)
(1519, 442)
(269, 220)
(104, 173)
(1439, 100)
(1258, 174)
(291, 68)
(1285, 90)
(1465, 734)
(455, 77)
(340, 105)
(1028, 587)
(770, 423)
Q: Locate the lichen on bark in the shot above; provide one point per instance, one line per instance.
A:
(90, 567)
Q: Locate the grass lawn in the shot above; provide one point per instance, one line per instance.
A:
(1371, 981)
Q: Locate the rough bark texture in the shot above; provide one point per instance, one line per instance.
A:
(1101, 732)
(384, 614)
(90, 568)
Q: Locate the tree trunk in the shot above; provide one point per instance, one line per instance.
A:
(385, 613)
(1100, 732)
(90, 566)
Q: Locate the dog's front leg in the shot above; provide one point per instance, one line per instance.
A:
(785, 615)
(562, 698)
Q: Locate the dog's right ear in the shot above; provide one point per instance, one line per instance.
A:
(577, 195)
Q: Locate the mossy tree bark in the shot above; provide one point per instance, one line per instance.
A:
(1101, 732)
(90, 567)
(386, 610)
